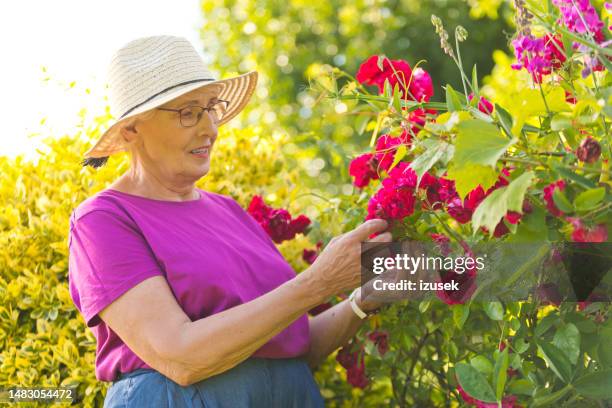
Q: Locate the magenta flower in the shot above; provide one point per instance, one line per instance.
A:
(574, 15)
(484, 105)
(395, 71)
(421, 86)
(363, 169)
(539, 56)
(548, 197)
(277, 222)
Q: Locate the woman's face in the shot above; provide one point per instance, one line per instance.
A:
(163, 147)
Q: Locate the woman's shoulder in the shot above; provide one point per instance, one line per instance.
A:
(101, 201)
(222, 199)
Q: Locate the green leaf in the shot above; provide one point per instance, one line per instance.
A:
(589, 199)
(557, 361)
(545, 324)
(399, 155)
(595, 385)
(424, 305)
(479, 142)
(396, 99)
(495, 310)
(361, 123)
(522, 386)
(453, 102)
(435, 150)
(561, 201)
(471, 176)
(474, 383)
(505, 119)
(532, 228)
(482, 364)
(387, 90)
(500, 374)
(495, 206)
(546, 400)
(566, 173)
(460, 314)
(559, 122)
(567, 338)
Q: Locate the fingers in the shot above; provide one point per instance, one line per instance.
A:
(368, 228)
(384, 237)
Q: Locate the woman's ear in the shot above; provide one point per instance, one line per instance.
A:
(128, 133)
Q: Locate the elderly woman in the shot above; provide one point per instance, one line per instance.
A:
(190, 302)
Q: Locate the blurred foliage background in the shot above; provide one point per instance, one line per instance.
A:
(289, 42)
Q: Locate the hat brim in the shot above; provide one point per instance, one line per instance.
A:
(237, 90)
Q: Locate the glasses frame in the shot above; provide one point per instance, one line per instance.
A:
(207, 109)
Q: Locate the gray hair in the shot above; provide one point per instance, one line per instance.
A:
(97, 162)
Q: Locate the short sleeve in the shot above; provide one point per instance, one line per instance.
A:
(107, 256)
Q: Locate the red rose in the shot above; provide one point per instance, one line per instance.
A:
(484, 105)
(277, 222)
(396, 72)
(583, 233)
(548, 197)
(589, 150)
(380, 339)
(363, 169)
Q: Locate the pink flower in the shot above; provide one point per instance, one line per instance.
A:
(575, 13)
(363, 169)
(548, 197)
(421, 86)
(484, 105)
(277, 222)
(370, 74)
(583, 233)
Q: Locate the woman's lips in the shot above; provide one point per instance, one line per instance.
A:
(200, 152)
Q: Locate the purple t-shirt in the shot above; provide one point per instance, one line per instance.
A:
(213, 255)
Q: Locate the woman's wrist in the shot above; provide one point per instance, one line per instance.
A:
(307, 283)
(367, 306)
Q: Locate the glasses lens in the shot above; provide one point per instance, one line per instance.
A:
(190, 116)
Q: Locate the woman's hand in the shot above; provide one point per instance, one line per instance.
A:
(338, 268)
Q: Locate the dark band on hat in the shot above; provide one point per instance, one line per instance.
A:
(164, 91)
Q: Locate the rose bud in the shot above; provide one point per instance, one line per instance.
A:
(589, 150)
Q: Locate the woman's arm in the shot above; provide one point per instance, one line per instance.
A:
(333, 328)
(152, 324)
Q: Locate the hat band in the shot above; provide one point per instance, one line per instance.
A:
(164, 91)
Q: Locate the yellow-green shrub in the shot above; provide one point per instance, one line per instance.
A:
(43, 339)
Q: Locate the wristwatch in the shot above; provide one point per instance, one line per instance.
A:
(355, 307)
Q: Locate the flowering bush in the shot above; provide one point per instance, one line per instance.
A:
(534, 168)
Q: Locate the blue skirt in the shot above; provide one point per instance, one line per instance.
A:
(256, 382)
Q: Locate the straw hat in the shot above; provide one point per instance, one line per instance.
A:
(150, 71)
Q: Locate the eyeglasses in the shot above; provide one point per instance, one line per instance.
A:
(191, 115)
